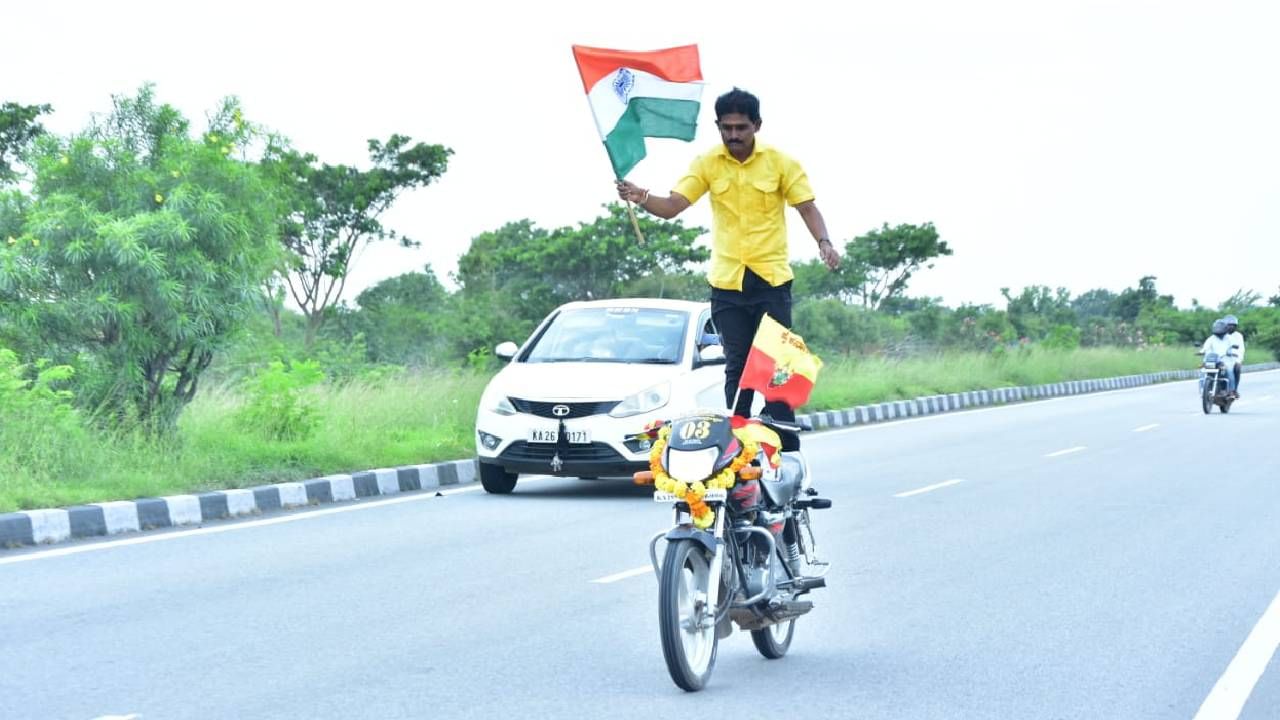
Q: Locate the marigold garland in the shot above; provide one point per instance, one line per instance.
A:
(694, 492)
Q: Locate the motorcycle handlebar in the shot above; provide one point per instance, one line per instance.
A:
(792, 426)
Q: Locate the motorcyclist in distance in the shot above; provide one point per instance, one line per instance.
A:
(1218, 344)
(1236, 339)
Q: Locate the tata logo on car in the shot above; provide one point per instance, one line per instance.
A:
(559, 410)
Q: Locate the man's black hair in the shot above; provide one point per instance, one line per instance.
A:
(739, 101)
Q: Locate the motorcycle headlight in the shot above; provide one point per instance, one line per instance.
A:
(644, 401)
(691, 465)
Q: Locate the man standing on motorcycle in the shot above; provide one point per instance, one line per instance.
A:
(1218, 344)
(1235, 338)
(750, 273)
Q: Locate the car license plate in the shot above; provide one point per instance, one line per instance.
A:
(552, 435)
(713, 495)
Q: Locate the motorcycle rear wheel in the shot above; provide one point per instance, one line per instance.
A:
(773, 641)
(688, 630)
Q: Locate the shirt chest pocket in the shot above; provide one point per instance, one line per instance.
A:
(762, 194)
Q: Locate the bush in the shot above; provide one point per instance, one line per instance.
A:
(341, 360)
(1062, 337)
(978, 328)
(38, 423)
(833, 328)
(1261, 328)
(481, 360)
(277, 408)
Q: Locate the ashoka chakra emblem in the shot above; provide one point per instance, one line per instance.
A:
(623, 83)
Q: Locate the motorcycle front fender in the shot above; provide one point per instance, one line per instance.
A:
(704, 538)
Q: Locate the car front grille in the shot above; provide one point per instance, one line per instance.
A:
(576, 409)
(521, 451)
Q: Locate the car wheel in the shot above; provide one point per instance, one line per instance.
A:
(497, 480)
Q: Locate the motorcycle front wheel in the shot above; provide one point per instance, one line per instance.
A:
(1206, 400)
(685, 622)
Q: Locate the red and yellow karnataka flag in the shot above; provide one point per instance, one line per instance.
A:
(780, 366)
(639, 94)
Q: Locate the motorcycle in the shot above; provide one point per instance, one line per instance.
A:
(741, 549)
(1214, 384)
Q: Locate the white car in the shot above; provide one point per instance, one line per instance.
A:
(592, 375)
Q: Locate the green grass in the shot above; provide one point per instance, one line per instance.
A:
(421, 419)
(429, 417)
(849, 383)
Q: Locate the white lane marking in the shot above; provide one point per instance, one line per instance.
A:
(647, 569)
(926, 489)
(1145, 428)
(1228, 696)
(1264, 398)
(1068, 451)
(824, 434)
(144, 539)
(130, 716)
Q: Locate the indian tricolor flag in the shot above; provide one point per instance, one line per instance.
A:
(779, 365)
(635, 95)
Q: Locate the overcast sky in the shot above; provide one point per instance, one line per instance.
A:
(1074, 144)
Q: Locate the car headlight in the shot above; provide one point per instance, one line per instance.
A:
(644, 401)
(502, 406)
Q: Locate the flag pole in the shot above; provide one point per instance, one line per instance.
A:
(635, 225)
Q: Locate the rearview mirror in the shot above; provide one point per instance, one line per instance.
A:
(710, 355)
(506, 350)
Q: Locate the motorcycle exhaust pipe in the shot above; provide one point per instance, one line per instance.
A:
(784, 611)
(804, 584)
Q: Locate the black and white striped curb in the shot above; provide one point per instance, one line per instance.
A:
(33, 527)
(934, 404)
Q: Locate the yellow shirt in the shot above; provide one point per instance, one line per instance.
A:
(749, 226)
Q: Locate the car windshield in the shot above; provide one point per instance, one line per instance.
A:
(613, 334)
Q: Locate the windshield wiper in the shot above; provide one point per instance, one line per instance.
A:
(654, 361)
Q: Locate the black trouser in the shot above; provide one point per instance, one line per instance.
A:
(736, 316)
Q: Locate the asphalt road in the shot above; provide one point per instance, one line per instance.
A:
(1100, 556)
